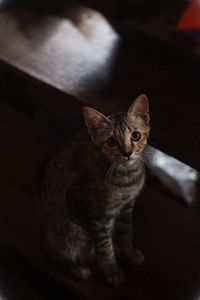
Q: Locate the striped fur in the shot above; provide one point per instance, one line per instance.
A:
(89, 191)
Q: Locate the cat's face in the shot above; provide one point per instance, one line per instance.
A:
(121, 137)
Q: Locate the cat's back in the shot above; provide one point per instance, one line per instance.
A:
(68, 163)
(72, 169)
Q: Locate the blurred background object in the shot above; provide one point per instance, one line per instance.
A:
(177, 177)
(188, 27)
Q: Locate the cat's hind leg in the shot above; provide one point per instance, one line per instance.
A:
(79, 271)
(74, 248)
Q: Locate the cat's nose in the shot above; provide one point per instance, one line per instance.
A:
(127, 154)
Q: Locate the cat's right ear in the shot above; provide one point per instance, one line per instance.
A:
(140, 108)
(94, 120)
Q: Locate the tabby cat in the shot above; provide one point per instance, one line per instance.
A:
(89, 191)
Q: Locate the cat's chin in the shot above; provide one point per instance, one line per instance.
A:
(130, 161)
(126, 162)
(123, 161)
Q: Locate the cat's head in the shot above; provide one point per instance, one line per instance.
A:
(121, 137)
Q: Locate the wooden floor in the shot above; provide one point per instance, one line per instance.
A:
(166, 231)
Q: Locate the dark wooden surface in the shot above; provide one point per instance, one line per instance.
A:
(167, 232)
(74, 57)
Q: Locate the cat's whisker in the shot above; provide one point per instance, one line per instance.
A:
(108, 173)
(146, 163)
(136, 154)
(147, 153)
(110, 170)
(148, 156)
(145, 160)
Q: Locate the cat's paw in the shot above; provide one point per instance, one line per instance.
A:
(82, 273)
(135, 257)
(115, 277)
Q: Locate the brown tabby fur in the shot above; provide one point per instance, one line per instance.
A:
(89, 191)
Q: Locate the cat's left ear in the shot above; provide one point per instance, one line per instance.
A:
(140, 108)
(94, 120)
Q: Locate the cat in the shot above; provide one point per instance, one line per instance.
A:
(89, 191)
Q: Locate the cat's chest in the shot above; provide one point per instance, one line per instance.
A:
(124, 194)
(124, 183)
(125, 191)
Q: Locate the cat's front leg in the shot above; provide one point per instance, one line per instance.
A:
(105, 254)
(124, 237)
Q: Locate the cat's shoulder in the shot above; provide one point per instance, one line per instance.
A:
(77, 148)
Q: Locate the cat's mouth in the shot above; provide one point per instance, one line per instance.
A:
(129, 160)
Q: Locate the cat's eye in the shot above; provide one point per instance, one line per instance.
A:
(111, 142)
(136, 135)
